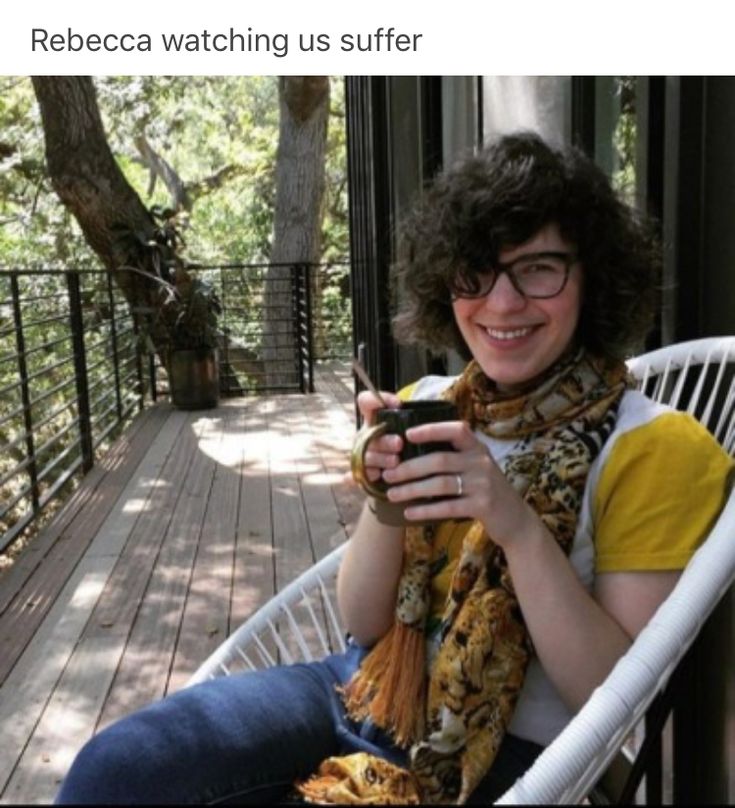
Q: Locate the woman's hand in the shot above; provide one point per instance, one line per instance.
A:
(382, 452)
(485, 493)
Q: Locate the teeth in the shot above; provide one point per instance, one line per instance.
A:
(514, 334)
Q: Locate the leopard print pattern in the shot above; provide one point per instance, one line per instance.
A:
(412, 599)
(360, 779)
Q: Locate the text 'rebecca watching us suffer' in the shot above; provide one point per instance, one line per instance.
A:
(381, 40)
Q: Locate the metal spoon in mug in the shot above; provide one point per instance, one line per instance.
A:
(365, 379)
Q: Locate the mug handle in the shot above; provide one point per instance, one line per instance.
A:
(357, 459)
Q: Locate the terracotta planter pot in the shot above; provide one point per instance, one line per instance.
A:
(194, 379)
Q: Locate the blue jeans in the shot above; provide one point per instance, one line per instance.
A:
(244, 739)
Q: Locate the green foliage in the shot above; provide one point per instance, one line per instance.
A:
(624, 138)
(35, 229)
(195, 324)
(203, 126)
(219, 133)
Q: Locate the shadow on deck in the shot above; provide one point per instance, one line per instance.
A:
(190, 523)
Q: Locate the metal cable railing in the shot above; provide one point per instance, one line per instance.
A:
(73, 370)
(277, 321)
(71, 375)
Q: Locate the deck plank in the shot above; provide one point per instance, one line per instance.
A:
(53, 646)
(291, 538)
(120, 461)
(66, 723)
(325, 523)
(152, 603)
(206, 613)
(136, 537)
(254, 573)
(28, 688)
(55, 558)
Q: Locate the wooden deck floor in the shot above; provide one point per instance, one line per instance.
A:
(187, 526)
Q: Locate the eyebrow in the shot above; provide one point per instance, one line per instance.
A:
(538, 254)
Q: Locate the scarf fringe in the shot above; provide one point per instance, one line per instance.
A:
(390, 685)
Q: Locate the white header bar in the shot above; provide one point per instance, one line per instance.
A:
(374, 37)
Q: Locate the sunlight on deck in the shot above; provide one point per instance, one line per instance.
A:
(257, 452)
(322, 478)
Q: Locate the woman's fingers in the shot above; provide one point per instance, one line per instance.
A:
(434, 498)
(384, 451)
(368, 404)
(381, 453)
(438, 486)
(426, 465)
(458, 433)
(385, 459)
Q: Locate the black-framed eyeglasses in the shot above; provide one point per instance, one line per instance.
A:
(536, 275)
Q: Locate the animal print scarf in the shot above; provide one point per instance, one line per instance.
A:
(454, 719)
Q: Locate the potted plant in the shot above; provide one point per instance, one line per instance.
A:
(193, 364)
(180, 322)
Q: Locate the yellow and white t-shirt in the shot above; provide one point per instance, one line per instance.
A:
(651, 496)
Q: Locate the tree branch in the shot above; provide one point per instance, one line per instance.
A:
(158, 167)
(211, 183)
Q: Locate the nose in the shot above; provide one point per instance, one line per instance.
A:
(504, 296)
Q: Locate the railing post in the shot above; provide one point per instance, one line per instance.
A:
(152, 376)
(80, 368)
(297, 317)
(115, 354)
(25, 391)
(309, 317)
(223, 356)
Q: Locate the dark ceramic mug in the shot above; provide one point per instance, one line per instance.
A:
(395, 421)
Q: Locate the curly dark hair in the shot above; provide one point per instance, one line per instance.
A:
(502, 197)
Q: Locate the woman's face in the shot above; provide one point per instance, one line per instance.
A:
(513, 338)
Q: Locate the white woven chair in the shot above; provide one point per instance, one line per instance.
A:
(301, 622)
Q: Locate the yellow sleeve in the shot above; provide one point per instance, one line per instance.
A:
(659, 493)
(406, 393)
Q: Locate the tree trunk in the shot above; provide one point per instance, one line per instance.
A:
(84, 174)
(304, 110)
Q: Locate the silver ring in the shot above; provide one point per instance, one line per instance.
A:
(460, 486)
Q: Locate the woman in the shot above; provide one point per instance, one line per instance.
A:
(556, 526)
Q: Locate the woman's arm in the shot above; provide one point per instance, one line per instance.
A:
(369, 572)
(368, 577)
(579, 637)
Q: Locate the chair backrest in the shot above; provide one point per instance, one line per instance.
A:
(301, 622)
(697, 377)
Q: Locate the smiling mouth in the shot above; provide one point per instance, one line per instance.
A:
(508, 333)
